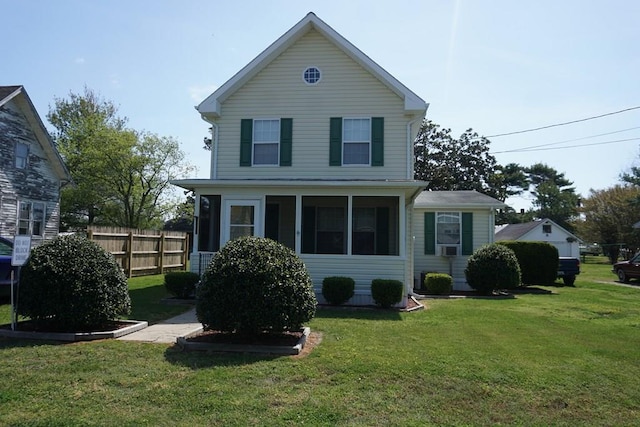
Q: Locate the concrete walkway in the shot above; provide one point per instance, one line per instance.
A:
(169, 330)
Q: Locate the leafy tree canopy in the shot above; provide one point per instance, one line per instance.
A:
(454, 164)
(121, 175)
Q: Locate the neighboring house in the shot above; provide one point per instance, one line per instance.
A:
(448, 226)
(543, 230)
(31, 170)
(312, 145)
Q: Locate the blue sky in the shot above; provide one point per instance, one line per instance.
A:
(495, 66)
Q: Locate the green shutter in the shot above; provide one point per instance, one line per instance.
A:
(286, 139)
(377, 141)
(246, 141)
(467, 233)
(335, 141)
(429, 233)
(382, 230)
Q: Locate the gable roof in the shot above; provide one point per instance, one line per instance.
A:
(19, 95)
(460, 199)
(516, 231)
(211, 106)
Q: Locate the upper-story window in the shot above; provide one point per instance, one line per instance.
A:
(311, 75)
(22, 155)
(546, 228)
(356, 139)
(31, 218)
(266, 141)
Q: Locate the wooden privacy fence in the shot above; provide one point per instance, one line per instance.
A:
(142, 252)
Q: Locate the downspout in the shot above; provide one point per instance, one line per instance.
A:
(410, 175)
(213, 173)
(410, 154)
(413, 240)
(492, 225)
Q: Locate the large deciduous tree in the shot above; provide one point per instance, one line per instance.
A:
(121, 175)
(608, 218)
(454, 164)
(85, 126)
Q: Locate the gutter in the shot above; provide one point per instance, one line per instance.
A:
(214, 147)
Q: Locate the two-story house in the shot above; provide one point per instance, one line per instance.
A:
(312, 146)
(31, 170)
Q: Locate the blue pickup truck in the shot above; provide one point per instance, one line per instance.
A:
(6, 250)
(568, 269)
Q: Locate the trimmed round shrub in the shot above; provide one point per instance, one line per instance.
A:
(492, 267)
(337, 289)
(386, 292)
(255, 285)
(438, 283)
(538, 261)
(181, 284)
(72, 284)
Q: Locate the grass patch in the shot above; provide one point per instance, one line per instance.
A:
(567, 358)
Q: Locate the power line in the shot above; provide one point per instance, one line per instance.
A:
(563, 124)
(524, 150)
(515, 150)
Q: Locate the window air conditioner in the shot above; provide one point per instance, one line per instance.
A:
(449, 250)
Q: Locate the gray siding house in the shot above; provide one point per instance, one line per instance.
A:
(31, 170)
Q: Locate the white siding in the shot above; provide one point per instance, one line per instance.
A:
(362, 269)
(557, 237)
(483, 225)
(346, 90)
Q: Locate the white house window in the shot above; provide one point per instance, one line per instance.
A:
(22, 155)
(546, 228)
(311, 75)
(31, 218)
(356, 139)
(266, 142)
(448, 228)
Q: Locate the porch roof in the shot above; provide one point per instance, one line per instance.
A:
(411, 187)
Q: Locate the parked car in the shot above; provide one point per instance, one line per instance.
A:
(6, 249)
(626, 270)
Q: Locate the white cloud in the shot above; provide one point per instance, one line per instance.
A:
(199, 93)
(79, 61)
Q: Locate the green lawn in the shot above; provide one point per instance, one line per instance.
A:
(567, 358)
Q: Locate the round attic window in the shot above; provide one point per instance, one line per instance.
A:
(311, 75)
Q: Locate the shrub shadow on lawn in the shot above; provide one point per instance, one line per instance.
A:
(146, 303)
(17, 343)
(360, 313)
(209, 359)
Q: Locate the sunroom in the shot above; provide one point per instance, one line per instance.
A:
(338, 228)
